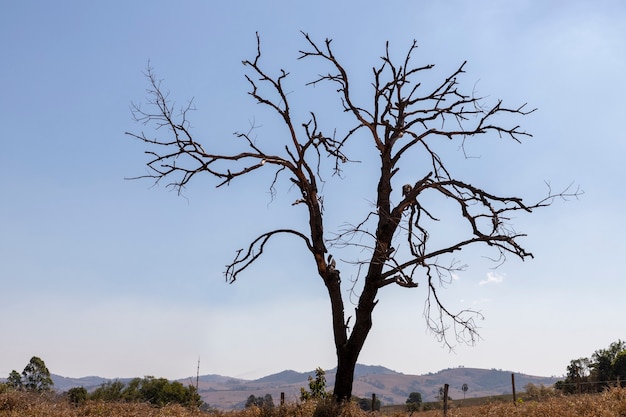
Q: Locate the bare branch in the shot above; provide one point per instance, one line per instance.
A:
(245, 258)
(441, 321)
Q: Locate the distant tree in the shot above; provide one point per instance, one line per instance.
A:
(108, 391)
(405, 122)
(36, 376)
(156, 391)
(619, 367)
(317, 387)
(77, 395)
(251, 401)
(414, 402)
(577, 377)
(268, 401)
(601, 365)
(131, 391)
(14, 380)
(578, 374)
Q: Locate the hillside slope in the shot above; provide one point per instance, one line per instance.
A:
(390, 387)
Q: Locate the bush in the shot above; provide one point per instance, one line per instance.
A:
(77, 396)
(414, 402)
(538, 393)
(317, 387)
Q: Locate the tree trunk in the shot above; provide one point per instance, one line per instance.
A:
(346, 363)
(348, 352)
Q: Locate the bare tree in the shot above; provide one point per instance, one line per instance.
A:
(403, 118)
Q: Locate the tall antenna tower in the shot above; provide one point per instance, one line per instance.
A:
(198, 374)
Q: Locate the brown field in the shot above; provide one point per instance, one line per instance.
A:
(611, 403)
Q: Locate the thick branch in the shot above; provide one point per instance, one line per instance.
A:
(245, 258)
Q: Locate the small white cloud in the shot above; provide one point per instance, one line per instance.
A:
(492, 278)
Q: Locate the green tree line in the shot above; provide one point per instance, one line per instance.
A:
(606, 367)
(156, 391)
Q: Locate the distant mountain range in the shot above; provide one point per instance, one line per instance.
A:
(390, 387)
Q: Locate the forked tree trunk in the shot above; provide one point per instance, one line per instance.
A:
(348, 349)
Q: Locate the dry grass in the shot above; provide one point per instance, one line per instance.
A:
(611, 403)
(22, 404)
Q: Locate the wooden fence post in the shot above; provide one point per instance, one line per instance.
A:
(445, 399)
(373, 402)
(282, 398)
(513, 386)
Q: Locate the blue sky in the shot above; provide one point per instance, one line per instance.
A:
(102, 276)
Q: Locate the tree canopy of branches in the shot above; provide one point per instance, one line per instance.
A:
(402, 118)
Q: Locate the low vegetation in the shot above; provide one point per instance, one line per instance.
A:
(156, 391)
(595, 389)
(611, 402)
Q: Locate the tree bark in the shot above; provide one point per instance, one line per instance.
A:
(346, 363)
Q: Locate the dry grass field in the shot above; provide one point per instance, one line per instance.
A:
(611, 403)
